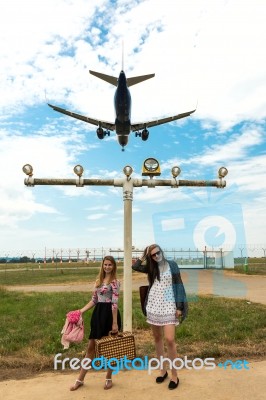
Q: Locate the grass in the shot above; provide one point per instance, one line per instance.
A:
(31, 322)
(51, 275)
(252, 268)
(56, 273)
(217, 327)
(55, 266)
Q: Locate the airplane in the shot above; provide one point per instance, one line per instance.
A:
(122, 104)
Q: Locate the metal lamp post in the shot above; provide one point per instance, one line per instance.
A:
(150, 168)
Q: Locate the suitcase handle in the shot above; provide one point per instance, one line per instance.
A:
(114, 333)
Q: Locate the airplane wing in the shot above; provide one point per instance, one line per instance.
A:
(103, 124)
(149, 124)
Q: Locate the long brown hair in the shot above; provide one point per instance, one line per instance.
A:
(153, 268)
(102, 274)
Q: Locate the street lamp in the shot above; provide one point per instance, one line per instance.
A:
(128, 170)
(150, 168)
(222, 172)
(27, 169)
(78, 169)
(175, 171)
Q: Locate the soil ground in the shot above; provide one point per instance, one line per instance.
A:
(219, 383)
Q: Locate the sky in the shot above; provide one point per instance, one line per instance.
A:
(208, 55)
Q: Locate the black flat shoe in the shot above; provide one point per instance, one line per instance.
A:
(160, 379)
(172, 385)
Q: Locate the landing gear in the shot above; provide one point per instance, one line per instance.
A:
(143, 134)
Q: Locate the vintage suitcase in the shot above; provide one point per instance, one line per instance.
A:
(117, 346)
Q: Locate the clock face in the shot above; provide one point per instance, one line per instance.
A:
(151, 164)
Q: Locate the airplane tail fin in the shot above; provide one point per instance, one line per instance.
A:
(137, 79)
(106, 78)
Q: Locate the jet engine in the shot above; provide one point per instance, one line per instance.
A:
(144, 134)
(100, 133)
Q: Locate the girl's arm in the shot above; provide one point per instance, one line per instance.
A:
(115, 295)
(87, 307)
(137, 266)
(90, 304)
(179, 293)
(114, 324)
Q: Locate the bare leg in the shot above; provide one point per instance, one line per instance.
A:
(108, 380)
(159, 346)
(89, 354)
(169, 335)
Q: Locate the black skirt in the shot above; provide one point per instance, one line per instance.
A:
(102, 320)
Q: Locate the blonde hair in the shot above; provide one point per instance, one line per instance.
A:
(102, 274)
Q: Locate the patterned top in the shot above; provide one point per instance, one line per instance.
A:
(161, 306)
(177, 285)
(107, 293)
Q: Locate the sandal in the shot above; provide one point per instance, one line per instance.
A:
(76, 385)
(108, 384)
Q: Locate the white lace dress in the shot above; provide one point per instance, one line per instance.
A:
(161, 307)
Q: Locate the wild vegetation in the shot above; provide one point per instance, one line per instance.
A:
(31, 322)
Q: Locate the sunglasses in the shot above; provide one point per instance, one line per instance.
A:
(156, 254)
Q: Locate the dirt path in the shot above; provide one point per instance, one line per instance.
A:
(214, 282)
(218, 384)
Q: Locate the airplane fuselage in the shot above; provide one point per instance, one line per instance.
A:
(122, 104)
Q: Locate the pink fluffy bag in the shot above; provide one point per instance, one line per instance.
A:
(73, 316)
(73, 330)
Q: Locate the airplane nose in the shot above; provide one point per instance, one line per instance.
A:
(123, 140)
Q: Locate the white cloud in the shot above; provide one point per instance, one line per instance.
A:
(97, 216)
(249, 175)
(13, 211)
(160, 195)
(50, 155)
(205, 46)
(235, 147)
(96, 229)
(206, 51)
(105, 207)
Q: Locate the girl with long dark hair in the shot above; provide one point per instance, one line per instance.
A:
(165, 304)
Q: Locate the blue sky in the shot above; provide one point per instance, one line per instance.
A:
(205, 53)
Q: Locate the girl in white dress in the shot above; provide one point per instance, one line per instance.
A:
(166, 304)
